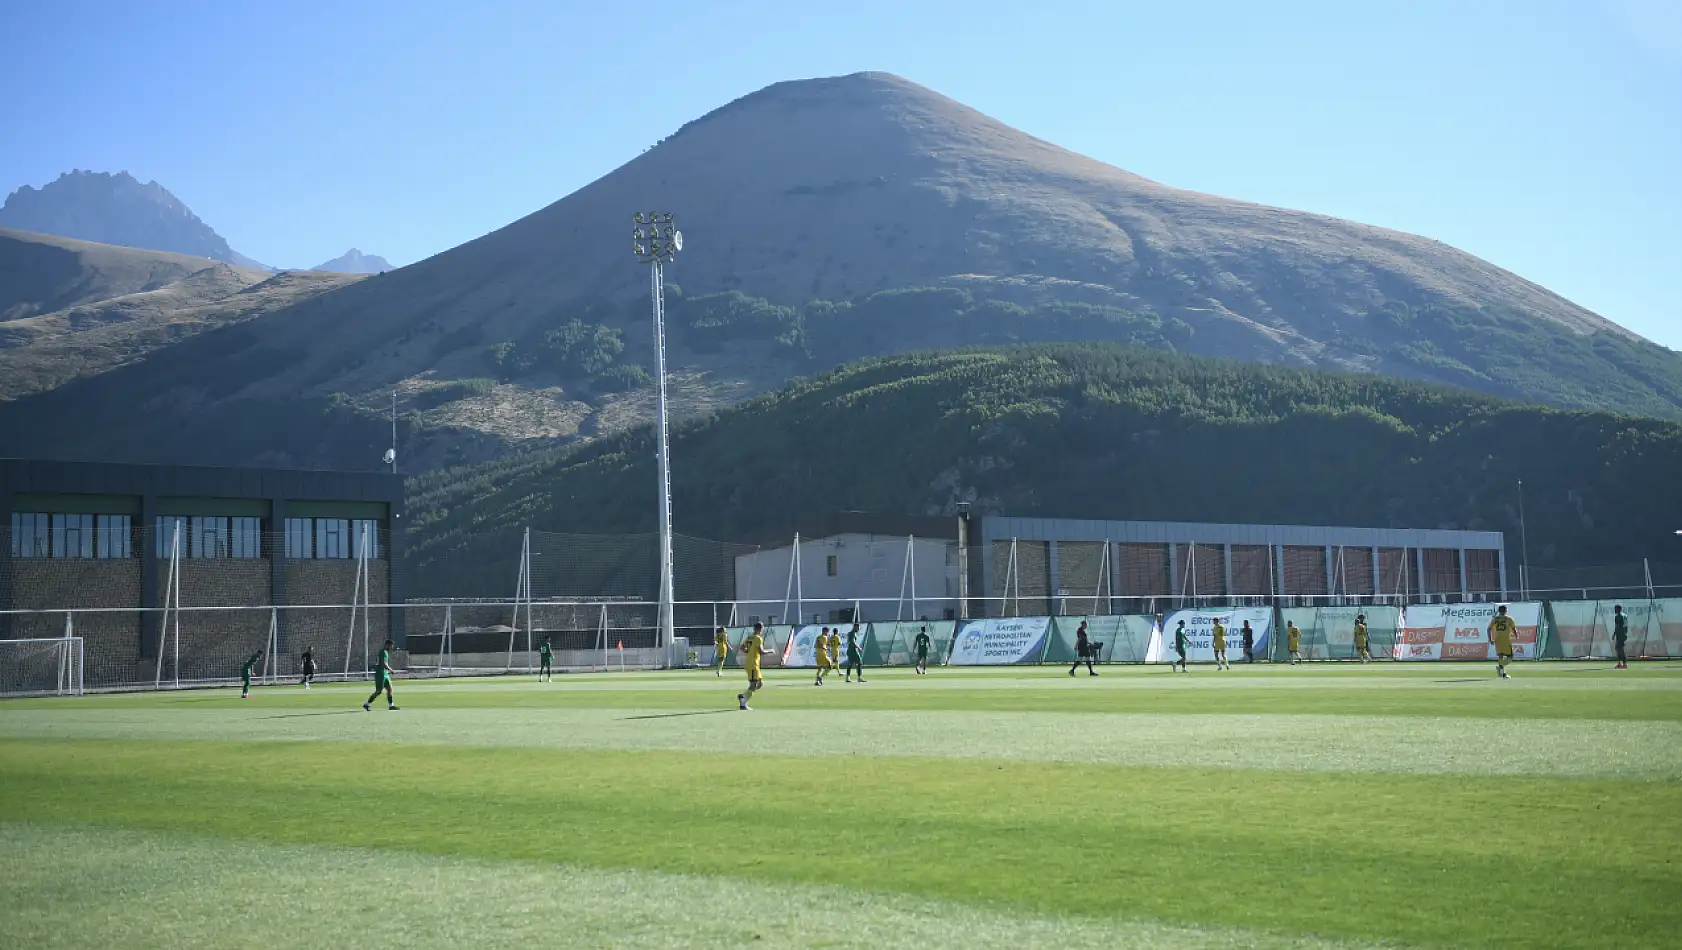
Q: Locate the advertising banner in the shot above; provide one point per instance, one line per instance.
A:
(1584, 627)
(1000, 641)
(1461, 631)
(1200, 634)
(1328, 633)
(801, 650)
(1123, 638)
(897, 641)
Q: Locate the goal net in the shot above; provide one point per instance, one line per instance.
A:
(43, 667)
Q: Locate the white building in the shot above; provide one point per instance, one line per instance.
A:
(883, 577)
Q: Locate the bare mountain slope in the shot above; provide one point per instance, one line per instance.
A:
(44, 352)
(834, 190)
(40, 273)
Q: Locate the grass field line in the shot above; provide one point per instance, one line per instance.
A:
(1630, 750)
(1667, 676)
(85, 888)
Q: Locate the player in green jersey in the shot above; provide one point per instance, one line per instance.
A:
(855, 655)
(1620, 635)
(545, 661)
(1180, 648)
(382, 679)
(245, 674)
(920, 648)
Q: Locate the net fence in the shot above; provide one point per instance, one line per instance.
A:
(194, 601)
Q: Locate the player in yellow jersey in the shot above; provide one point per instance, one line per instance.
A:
(1220, 647)
(820, 652)
(1501, 631)
(752, 650)
(835, 647)
(1293, 641)
(1361, 652)
(721, 643)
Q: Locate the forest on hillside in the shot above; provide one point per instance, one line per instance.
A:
(1095, 431)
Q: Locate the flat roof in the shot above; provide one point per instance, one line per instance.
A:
(999, 528)
(28, 476)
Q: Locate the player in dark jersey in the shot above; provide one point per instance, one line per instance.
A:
(920, 648)
(855, 655)
(382, 679)
(1083, 652)
(245, 674)
(308, 662)
(1620, 635)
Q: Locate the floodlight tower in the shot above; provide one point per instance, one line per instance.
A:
(656, 241)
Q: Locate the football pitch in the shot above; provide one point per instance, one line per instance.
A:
(1318, 806)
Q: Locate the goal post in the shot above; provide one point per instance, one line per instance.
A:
(42, 667)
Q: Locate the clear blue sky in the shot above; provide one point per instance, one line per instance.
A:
(1545, 135)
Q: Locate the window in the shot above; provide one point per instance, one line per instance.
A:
(30, 533)
(72, 536)
(332, 537)
(210, 537)
(369, 527)
(247, 537)
(829, 565)
(116, 537)
(298, 539)
(169, 529)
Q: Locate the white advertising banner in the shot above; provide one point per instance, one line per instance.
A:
(1200, 634)
(1461, 631)
(802, 646)
(1000, 641)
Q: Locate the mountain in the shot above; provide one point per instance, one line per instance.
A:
(354, 261)
(72, 309)
(117, 209)
(1086, 431)
(830, 220)
(40, 273)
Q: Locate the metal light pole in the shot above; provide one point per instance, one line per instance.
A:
(1524, 545)
(656, 241)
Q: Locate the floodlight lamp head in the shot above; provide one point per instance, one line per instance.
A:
(390, 456)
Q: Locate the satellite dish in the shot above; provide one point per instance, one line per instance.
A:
(390, 456)
(677, 240)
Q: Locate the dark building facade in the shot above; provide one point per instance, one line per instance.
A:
(100, 539)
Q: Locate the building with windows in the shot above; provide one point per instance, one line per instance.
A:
(108, 540)
(1040, 565)
(1060, 566)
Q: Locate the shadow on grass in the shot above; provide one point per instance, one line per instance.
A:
(693, 712)
(330, 712)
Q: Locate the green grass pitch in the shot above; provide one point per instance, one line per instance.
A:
(1319, 806)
